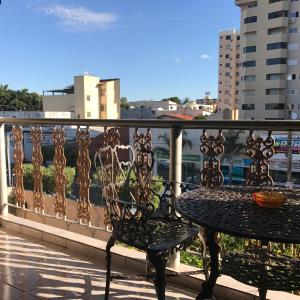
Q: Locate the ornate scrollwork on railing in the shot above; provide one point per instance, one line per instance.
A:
(83, 139)
(37, 160)
(212, 148)
(111, 139)
(260, 151)
(144, 161)
(17, 137)
(60, 177)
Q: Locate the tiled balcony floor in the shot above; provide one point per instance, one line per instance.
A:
(31, 269)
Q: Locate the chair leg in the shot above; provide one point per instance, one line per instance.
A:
(110, 243)
(159, 261)
(262, 293)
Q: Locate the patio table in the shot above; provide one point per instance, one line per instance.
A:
(231, 210)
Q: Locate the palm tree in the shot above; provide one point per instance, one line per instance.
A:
(232, 148)
(165, 139)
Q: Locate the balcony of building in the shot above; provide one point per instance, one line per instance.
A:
(53, 246)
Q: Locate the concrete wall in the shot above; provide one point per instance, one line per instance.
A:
(59, 103)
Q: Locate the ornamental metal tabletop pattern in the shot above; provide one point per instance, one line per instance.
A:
(231, 210)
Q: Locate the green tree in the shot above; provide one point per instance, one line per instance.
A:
(48, 178)
(165, 139)
(232, 147)
(19, 99)
(173, 99)
(124, 103)
(186, 100)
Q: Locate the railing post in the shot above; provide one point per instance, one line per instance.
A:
(175, 172)
(3, 173)
(289, 179)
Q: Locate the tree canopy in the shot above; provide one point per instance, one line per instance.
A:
(20, 100)
(173, 99)
(124, 103)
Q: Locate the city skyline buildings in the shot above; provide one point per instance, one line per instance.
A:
(228, 69)
(270, 58)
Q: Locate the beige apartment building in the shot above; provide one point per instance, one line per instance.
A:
(229, 65)
(88, 98)
(270, 58)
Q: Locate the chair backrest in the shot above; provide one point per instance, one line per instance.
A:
(127, 217)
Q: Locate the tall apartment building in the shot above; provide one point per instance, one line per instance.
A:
(270, 57)
(229, 65)
(88, 98)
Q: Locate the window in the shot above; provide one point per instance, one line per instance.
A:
(274, 92)
(227, 56)
(274, 106)
(278, 14)
(102, 107)
(238, 37)
(227, 92)
(249, 92)
(275, 61)
(292, 92)
(250, 35)
(275, 76)
(280, 45)
(88, 114)
(249, 78)
(291, 77)
(249, 64)
(250, 20)
(294, 14)
(227, 83)
(293, 30)
(228, 37)
(273, 1)
(249, 49)
(252, 5)
(293, 46)
(228, 47)
(88, 97)
(248, 106)
(227, 65)
(276, 30)
(227, 74)
(292, 61)
(294, 0)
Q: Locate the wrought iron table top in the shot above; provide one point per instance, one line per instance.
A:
(231, 210)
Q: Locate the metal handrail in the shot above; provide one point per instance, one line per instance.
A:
(279, 125)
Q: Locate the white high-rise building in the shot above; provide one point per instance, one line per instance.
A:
(270, 59)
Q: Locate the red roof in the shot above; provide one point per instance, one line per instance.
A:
(177, 116)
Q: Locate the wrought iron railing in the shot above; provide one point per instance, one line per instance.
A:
(259, 147)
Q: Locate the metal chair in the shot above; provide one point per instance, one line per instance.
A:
(155, 229)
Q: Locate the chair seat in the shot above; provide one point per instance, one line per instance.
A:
(157, 234)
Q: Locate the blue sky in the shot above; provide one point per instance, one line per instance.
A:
(158, 48)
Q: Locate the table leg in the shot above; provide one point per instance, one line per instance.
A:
(214, 250)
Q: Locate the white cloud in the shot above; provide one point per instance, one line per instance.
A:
(206, 56)
(78, 18)
(178, 60)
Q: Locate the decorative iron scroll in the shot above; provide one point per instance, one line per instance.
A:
(84, 166)
(260, 151)
(17, 137)
(212, 148)
(111, 139)
(37, 160)
(144, 161)
(59, 165)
